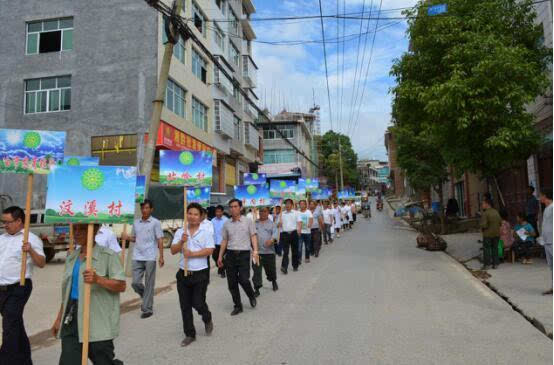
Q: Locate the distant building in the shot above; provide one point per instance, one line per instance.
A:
(280, 157)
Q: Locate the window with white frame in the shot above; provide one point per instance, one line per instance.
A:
(286, 130)
(179, 51)
(234, 22)
(199, 114)
(279, 156)
(199, 66)
(222, 5)
(175, 98)
(199, 19)
(49, 94)
(219, 37)
(234, 54)
(52, 35)
(237, 127)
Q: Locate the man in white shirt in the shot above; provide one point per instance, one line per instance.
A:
(337, 218)
(290, 229)
(147, 235)
(192, 287)
(328, 223)
(107, 238)
(16, 348)
(305, 218)
(546, 230)
(217, 222)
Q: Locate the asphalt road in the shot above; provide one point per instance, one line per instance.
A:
(370, 298)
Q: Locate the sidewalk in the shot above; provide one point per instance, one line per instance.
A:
(44, 303)
(520, 285)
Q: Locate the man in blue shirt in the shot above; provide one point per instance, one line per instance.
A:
(218, 221)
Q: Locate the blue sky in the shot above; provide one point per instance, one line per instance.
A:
(287, 73)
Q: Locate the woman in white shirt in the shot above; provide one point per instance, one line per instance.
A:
(192, 287)
(338, 223)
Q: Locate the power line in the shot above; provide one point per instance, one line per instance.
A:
(326, 71)
(367, 72)
(187, 33)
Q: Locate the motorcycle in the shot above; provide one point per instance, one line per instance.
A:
(379, 205)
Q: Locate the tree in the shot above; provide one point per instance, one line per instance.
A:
(469, 76)
(329, 162)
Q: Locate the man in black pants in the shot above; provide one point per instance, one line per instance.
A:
(13, 297)
(267, 237)
(192, 284)
(239, 237)
(290, 228)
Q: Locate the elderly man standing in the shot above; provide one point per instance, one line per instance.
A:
(147, 235)
(546, 231)
(490, 226)
(267, 238)
(239, 238)
(16, 348)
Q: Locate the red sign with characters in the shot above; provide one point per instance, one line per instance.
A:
(174, 139)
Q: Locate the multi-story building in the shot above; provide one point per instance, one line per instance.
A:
(280, 157)
(93, 72)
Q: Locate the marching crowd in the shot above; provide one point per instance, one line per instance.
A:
(235, 242)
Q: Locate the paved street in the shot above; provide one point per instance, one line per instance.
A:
(371, 298)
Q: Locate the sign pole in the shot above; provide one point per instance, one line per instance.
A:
(185, 229)
(26, 227)
(71, 239)
(86, 304)
(123, 244)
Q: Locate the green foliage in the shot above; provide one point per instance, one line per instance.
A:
(463, 87)
(329, 159)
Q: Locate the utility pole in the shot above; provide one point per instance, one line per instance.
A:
(340, 166)
(150, 148)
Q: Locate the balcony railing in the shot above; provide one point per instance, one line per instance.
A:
(223, 119)
(223, 82)
(251, 136)
(249, 71)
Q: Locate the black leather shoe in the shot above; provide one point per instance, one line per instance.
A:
(236, 311)
(187, 341)
(256, 292)
(145, 315)
(284, 271)
(253, 302)
(275, 287)
(209, 328)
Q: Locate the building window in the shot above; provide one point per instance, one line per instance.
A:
(199, 114)
(234, 22)
(237, 95)
(234, 54)
(219, 38)
(236, 125)
(199, 66)
(53, 35)
(279, 156)
(286, 130)
(50, 94)
(199, 19)
(179, 50)
(175, 98)
(222, 5)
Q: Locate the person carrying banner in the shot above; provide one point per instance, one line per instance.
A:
(239, 238)
(218, 221)
(16, 348)
(267, 237)
(108, 281)
(147, 235)
(193, 285)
